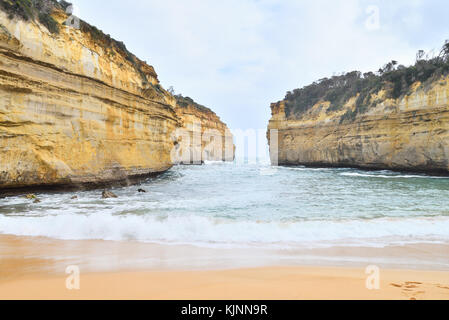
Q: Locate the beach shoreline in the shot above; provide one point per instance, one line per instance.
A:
(35, 268)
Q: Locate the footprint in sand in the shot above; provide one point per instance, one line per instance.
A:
(442, 287)
(414, 290)
(409, 289)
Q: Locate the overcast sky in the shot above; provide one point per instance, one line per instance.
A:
(238, 56)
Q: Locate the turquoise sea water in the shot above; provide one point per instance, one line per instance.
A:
(243, 205)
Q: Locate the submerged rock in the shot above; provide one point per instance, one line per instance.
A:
(33, 197)
(108, 194)
(74, 197)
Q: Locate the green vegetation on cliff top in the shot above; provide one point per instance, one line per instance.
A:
(184, 102)
(396, 79)
(33, 9)
(41, 10)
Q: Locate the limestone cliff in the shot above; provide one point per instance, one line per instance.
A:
(76, 107)
(203, 135)
(375, 121)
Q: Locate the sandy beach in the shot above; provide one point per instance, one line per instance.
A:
(275, 283)
(34, 268)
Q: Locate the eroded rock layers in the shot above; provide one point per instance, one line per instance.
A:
(76, 107)
(410, 132)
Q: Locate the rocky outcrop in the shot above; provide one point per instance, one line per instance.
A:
(76, 107)
(203, 136)
(408, 133)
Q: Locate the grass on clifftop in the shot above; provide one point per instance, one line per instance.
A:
(184, 102)
(396, 79)
(32, 10)
(41, 10)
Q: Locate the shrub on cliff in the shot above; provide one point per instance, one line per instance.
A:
(21, 8)
(40, 10)
(31, 10)
(184, 102)
(337, 90)
(48, 21)
(396, 80)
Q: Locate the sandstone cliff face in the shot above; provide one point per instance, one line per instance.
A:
(203, 136)
(409, 133)
(74, 111)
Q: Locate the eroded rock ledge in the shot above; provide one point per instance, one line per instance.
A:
(203, 134)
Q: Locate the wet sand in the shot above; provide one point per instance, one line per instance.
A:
(34, 268)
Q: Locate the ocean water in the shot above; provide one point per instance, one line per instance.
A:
(234, 205)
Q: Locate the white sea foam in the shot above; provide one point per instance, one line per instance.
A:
(306, 169)
(396, 176)
(209, 231)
